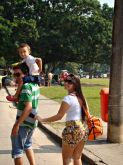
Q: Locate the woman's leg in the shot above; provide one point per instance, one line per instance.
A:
(77, 154)
(67, 154)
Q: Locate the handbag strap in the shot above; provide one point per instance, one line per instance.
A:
(86, 112)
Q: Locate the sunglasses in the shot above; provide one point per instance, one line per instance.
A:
(16, 74)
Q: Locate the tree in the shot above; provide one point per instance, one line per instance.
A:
(2, 62)
(16, 28)
(115, 124)
(72, 30)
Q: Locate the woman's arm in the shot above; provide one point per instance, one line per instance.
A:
(63, 109)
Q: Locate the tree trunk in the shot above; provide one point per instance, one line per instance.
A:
(90, 75)
(115, 125)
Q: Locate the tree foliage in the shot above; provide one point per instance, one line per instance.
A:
(57, 30)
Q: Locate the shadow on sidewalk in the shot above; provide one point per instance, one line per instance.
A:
(97, 142)
(5, 152)
(47, 149)
(41, 149)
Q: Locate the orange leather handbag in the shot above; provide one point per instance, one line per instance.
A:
(94, 125)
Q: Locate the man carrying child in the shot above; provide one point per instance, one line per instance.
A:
(23, 129)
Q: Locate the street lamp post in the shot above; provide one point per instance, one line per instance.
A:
(115, 125)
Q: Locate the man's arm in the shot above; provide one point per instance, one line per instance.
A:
(26, 112)
(24, 115)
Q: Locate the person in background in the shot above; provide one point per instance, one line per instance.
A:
(50, 77)
(25, 124)
(75, 133)
(42, 79)
(35, 68)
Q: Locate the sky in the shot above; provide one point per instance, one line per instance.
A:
(109, 2)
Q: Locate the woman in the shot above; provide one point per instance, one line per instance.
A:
(75, 133)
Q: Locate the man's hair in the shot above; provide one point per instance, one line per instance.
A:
(23, 67)
(24, 45)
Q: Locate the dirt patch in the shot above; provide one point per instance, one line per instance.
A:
(92, 85)
(57, 125)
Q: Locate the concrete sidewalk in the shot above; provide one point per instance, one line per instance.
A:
(46, 151)
(98, 152)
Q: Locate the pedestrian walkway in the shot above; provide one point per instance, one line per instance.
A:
(99, 151)
(46, 151)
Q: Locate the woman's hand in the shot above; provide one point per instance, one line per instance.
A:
(37, 117)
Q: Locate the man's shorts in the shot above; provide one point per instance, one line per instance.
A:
(21, 142)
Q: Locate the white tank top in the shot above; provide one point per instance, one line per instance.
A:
(33, 67)
(74, 112)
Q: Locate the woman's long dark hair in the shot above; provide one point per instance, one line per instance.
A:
(75, 80)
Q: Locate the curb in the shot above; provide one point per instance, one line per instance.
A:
(88, 157)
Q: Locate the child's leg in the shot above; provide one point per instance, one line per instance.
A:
(16, 96)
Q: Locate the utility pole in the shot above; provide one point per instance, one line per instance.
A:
(115, 125)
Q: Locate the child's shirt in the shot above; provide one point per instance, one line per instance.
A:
(33, 67)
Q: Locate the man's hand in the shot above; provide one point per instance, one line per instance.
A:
(15, 129)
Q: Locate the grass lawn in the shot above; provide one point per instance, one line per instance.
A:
(91, 93)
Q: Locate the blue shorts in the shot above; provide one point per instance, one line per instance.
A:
(32, 79)
(21, 142)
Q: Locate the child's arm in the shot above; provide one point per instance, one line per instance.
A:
(39, 63)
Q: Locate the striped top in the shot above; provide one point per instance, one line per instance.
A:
(29, 93)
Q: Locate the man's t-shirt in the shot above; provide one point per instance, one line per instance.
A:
(29, 93)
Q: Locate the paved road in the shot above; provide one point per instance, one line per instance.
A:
(49, 148)
(47, 152)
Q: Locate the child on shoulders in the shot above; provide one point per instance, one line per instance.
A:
(35, 68)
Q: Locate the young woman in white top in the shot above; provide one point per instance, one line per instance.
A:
(75, 133)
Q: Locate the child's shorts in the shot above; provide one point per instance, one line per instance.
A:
(21, 142)
(74, 132)
(33, 79)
